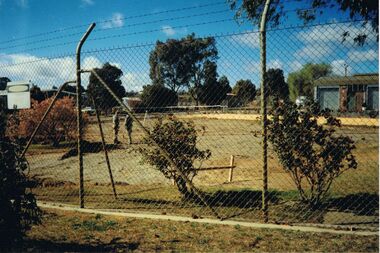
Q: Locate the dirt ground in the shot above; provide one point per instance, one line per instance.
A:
(149, 188)
(223, 138)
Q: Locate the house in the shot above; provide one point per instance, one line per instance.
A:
(348, 93)
(131, 102)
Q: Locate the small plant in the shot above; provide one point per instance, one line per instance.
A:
(179, 140)
(95, 224)
(312, 153)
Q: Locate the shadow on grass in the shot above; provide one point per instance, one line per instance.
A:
(89, 147)
(240, 198)
(359, 204)
(49, 246)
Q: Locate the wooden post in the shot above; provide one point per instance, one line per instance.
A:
(231, 169)
(145, 116)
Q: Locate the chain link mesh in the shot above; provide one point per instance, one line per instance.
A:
(229, 177)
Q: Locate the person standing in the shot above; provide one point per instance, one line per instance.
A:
(128, 123)
(116, 126)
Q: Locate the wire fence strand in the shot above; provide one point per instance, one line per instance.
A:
(199, 100)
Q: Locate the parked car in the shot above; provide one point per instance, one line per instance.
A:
(88, 110)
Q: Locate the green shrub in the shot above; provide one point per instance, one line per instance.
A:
(18, 205)
(179, 139)
(312, 153)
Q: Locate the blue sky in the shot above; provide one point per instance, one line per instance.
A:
(118, 26)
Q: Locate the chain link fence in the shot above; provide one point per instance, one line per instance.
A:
(196, 101)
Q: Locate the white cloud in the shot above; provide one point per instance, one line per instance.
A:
(274, 64)
(253, 67)
(46, 72)
(339, 68)
(87, 2)
(168, 30)
(313, 52)
(247, 39)
(43, 72)
(22, 3)
(333, 34)
(360, 56)
(295, 66)
(117, 20)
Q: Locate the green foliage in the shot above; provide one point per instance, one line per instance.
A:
(277, 87)
(155, 97)
(179, 140)
(18, 205)
(245, 91)
(213, 91)
(95, 225)
(313, 154)
(309, 11)
(111, 75)
(301, 83)
(180, 63)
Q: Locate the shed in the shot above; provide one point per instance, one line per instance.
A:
(348, 93)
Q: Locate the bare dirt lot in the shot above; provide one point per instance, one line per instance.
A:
(148, 187)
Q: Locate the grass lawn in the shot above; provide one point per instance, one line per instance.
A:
(74, 231)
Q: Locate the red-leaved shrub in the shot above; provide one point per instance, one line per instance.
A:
(59, 125)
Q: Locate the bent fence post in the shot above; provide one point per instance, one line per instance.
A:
(79, 114)
(163, 152)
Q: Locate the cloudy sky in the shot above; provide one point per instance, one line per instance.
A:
(38, 39)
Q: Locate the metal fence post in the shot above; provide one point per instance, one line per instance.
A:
(104, 146)
(263, 106)
(79, 114)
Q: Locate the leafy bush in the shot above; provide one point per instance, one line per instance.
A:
(179, 139)
(59, 125)
(18, 205)
(312, 153)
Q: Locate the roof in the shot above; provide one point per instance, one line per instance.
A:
(359, 79)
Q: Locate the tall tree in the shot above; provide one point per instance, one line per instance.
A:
(180, 63)
(111, 75)
(155, 97)
(277, 87)
(212, 91)
(301, 83)
(245, 91)
(308, 11)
